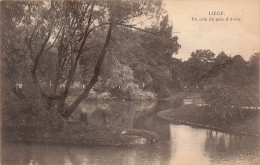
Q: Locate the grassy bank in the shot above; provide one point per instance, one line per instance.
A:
(202, 117)
(80, 137)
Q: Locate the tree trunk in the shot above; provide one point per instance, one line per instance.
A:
(74, 65)
(94, 78)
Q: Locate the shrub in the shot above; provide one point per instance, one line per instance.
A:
(132, 92)
(104, 96)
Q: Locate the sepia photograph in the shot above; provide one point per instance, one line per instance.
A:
(129, 82)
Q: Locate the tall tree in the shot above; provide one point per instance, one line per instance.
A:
(155, 62)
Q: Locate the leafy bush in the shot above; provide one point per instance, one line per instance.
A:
(104, 96)
(133, 92)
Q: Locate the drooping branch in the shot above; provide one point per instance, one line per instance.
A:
(98, 26)
(141, 22)
(142, 30)
(134, 27)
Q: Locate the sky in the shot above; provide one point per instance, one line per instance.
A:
(233, 37)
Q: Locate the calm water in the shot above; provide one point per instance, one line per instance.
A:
(178, 144)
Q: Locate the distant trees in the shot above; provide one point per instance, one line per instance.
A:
(227, 84)
(232, 88)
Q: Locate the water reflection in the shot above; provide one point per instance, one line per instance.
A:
(22, 154)
(163, 147)
(178, 144)
(114, 114)
(198, 146)
(222, 147)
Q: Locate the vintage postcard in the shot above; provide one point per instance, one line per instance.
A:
(130, 82)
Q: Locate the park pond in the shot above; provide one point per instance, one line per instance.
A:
(178, 144)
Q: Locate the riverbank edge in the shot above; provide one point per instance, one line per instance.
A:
(133, 137)
(162, 114)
